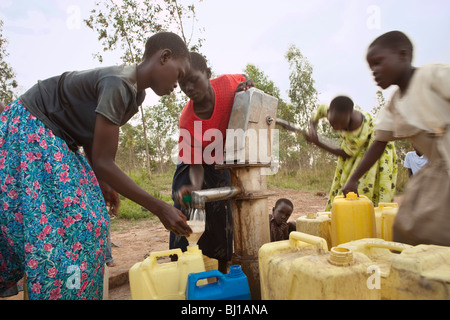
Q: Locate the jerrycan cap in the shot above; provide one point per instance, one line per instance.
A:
(311, 215)
(351, 196)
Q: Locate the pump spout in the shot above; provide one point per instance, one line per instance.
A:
(199, 198)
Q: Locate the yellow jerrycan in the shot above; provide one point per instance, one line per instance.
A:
(352, 218)
(381, 253)
(384, 216)
(276, 258)
(152, 280)
(317, 224)
(339, 274)
(420, 273)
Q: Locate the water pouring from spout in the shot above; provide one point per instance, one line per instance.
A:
(197, 223)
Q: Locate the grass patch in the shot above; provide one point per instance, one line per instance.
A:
(158, 185)
(303, 180)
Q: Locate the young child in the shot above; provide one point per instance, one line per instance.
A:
(414, 161)
(278, 220)
(210, 105)
(420, 111)
(53, 213)
(356, 131)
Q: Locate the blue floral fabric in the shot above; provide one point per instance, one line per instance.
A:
(53, 218)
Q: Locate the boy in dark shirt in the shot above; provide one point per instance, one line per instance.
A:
(279, 225)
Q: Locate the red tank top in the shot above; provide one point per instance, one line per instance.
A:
(202, 141)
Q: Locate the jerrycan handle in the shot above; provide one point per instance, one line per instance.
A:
(387, 205)
(193, 278)
(319, 243)
(155, 255)
(382, 244)
(397, 246)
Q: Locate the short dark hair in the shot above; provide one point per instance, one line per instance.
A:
(394, 40)
(199, 62)
(166, 40)
(342, 104)
(284, 200)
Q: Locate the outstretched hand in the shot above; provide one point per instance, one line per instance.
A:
(184, 190)
(175, 221)
(111, 198)
(310, 138)
(312, 132)
(350, 186)
(244, 86)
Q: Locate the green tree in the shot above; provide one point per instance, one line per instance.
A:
(303, 96)
(261, 81)
(8, 83)
(128, 156)
(163, 117)
(302, 93)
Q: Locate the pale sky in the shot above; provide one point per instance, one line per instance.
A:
(48, 37)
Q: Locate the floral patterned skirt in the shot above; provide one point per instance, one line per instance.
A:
(377, 184)
(53, 218)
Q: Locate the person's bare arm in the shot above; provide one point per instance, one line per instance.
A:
(370, 157)
(196, 175)
(104, 150)
(313, 137)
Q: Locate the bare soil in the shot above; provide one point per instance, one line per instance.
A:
(136, 240)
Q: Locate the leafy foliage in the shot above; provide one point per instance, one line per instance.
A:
(8, 83)
(126, 25)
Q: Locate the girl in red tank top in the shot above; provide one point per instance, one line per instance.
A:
(203, 125)
(213, 122)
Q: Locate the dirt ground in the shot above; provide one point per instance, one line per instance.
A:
(137, 240)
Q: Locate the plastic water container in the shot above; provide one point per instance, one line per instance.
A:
(420, 273)
(381, 253)
(276, 259)
(231, 286)
(317, 224)
(151, 280)
(336, 275)
(352, 218)
(385, 215)
(210, 263)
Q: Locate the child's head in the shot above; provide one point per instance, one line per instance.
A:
(417, 151)
(282, 210)
(196, 84)
(166, 40)
(389, 57)
(340, 112)
(166, 60)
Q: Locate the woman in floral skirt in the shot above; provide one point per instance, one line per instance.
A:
(53, 218)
